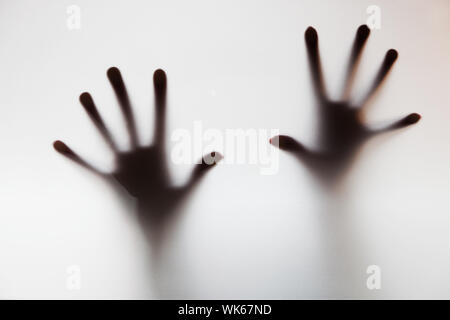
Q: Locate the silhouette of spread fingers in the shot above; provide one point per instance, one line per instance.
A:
(63, 149)
(142, 171)
(160, 89)
(362, 34)
(404, 122)
(312, 46)
(389, 59)
(91, 109)
(341, 130)
(115, 78)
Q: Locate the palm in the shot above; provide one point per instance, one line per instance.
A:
(142, 172)
(341, 127)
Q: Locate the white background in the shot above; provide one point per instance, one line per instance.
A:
(230, 64)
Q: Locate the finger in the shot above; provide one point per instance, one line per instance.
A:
(287, 143)
(406, 121)
(160, 88)
(91, 109)
(389, 59)
(312, 47)
(63, 149)
(362, 34)
(118, 85)
(208, 162)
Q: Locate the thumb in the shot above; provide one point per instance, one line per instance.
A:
(287, 143)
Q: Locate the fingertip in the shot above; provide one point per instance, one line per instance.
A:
(159, 75)
(61, 147)
(274, 140)
(286, 143)
(391, 55)
(413, 118)
(159, 79)
(85, 98)
(211, 159)
(217, 156)
(363, 31)
(311, 35)
(113, 74)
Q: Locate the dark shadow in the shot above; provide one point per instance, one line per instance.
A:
(142, 171)
(341, 128)
(341, 133)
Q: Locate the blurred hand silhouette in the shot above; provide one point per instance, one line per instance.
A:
(341, 128)
(141, 171)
